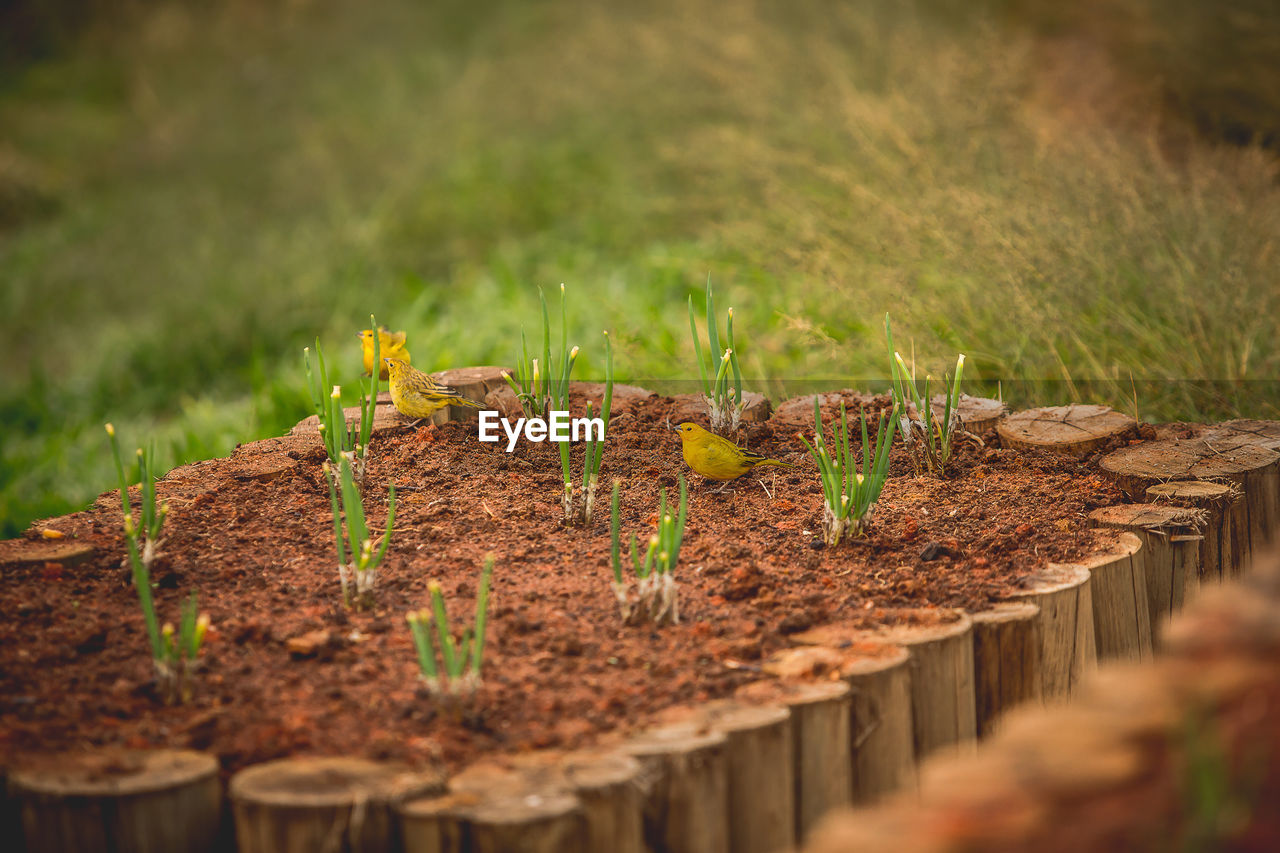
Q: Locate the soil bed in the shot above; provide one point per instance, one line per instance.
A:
(289, 671)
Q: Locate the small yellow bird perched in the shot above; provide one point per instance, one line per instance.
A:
(390, 345)
(417, 395)
(718, 458)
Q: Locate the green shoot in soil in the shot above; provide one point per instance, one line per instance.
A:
(655, 599)
(849, 496)
(339, 436)
(927, 437)
(724, 404)
(176, 657)
(359, 572)
(458, 671)
(594, 448)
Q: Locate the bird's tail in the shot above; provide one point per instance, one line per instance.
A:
(758, 461)
(456, 399)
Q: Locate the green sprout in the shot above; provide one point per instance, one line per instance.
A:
(849, 495)
(358, 561)
(724, 404)
(339, 436)
(594, 449)
(175, 656)
(458, 671)
(655, 598)
(543, 386)
(927, 437)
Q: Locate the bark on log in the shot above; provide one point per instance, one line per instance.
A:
(1075, 430)
(1171, 552)
(118, 801)
(761, 771)
(1254, 469)
(820, 744)
(607, 785)
(685, 783)
(880, 719)
(435, 824)
(1068, 647)
(305, 804)
(1225, 520)
(943, 708)
(1007, 648)
(1264, 435)
(1121, 619)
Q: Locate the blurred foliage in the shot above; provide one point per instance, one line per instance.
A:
(1215, 64)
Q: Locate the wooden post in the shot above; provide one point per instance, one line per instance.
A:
(1251, 467)
(1068, 647)
(762, 787)
(1075, 430)
(685, 782)
(607, 784)
(1223, 507)
(118, 801)
(943, 707)
(820, 746)
(1118, 582)
(530, 823)
(435, 824)
(1171, 552)
(882, 745)
(304, 804)
(1006, 660)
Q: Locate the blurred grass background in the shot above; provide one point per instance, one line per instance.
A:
(192, 192)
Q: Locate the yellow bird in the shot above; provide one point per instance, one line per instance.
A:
(390, 345)
(417, 395)
(718, 458)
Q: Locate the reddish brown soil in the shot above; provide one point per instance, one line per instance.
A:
(254, 535)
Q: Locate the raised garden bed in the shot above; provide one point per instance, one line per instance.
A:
(290, 672)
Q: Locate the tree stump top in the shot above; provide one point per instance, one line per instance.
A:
(1054, 577)
(331, 782)
(818, 661)
(908, 627)
(793, 693)
(1149, 517)
(677, 738)
(1193, 492)
(797, 413)
(1074, 430)
(1006, 611)
(1140, 465)
(522, 809)
(1265, 434)
(113, 772)
(24, 552)
(977, 414)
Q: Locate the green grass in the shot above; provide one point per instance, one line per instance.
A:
(186, 205)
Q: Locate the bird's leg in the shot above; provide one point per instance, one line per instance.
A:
(724, 486)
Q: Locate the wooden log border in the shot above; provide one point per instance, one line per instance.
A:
(853, 731)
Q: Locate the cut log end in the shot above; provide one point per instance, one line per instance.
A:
(1075, 430)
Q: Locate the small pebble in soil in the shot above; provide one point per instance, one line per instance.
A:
(817, 544)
